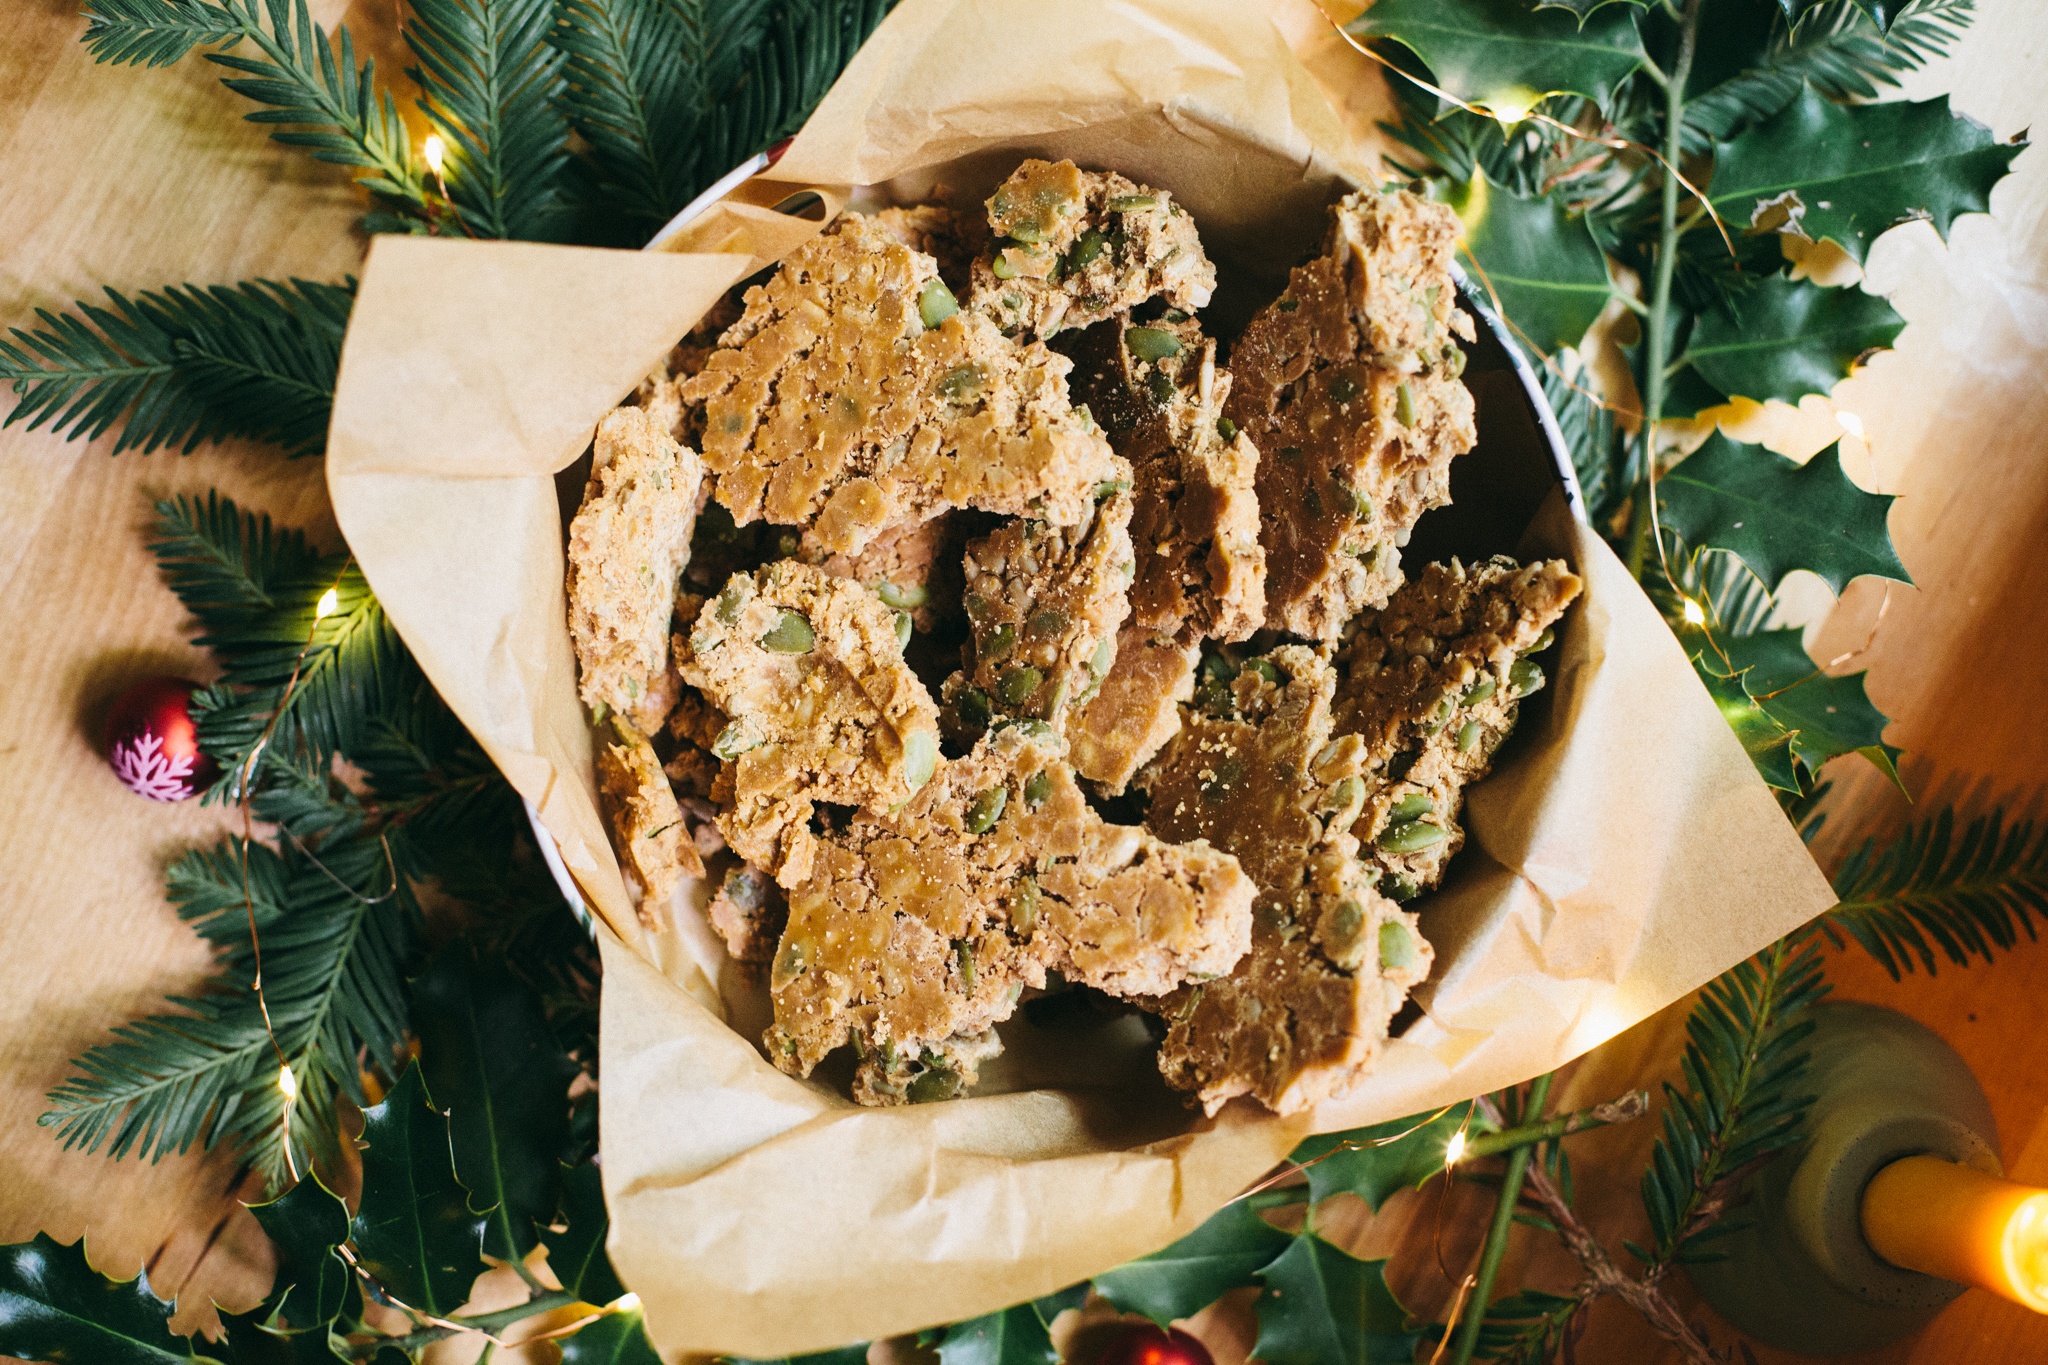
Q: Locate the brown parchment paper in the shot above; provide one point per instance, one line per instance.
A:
(1625, 852)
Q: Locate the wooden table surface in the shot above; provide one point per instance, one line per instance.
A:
(138, 179)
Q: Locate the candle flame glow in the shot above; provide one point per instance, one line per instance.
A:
(288, 1083)
(436, 151)
(1455, 1148)
(1695, 614)
(329, 600)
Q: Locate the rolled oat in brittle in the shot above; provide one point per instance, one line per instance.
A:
(1348, 384)
(1302, 1017)
(851, 396)
(823, 708)
(1073, 247)
(627, 545)
(1431, 687)
(926, 924)
(647, 823)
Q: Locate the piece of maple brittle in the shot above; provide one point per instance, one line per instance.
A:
(748, 911)
(1431, 687)
(627, 547)
(823, 708)
(1303, 1016)
(1137, 710)
(647, 823)
(914, 567)
(1348, 384)
(1073, 247)
(851, 397)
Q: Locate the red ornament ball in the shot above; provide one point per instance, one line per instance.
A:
(1145, 1344)
(152, 744)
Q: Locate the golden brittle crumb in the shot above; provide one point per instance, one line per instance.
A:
(823, 708)
(1432, 685)
(1348, 384)
(850, 398)
(1303, 1016)
(647, 823)
(627, 546)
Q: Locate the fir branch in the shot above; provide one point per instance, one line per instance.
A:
(186, 365)
(492, 85)
(1926, 891)
(299, 75)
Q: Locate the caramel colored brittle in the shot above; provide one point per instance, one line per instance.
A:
(835, 405)
(1348, 384)
(914, 567)
(1431, 688)
(749, 911)
(627, 546)
(1137, 710)
(824, 710)
(1074, 247)
(647, 823)
(1302, 1017)
(953, 240)
(926, 924)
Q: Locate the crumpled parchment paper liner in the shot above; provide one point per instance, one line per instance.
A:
(1623, 853)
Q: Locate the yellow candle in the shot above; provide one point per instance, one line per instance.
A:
(1950, 1221)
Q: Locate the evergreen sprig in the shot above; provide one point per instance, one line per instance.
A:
(186, 365)
(1929, 891)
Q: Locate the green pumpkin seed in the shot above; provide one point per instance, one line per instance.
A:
(1400, 888)
(1480, 691)
(1525, 676)
(1024, 909)
(1397, 947)
(987, 809)
(1001, 641)
(1399, 764)
(963, 952)
(903, 599)
(1411, 837)
(1102, 658)
(1468, 736)
(975, 710)
(1028, 233)
(920, 757)
(745, 890)
(1149, 343)
(1343, 388)
(1413, 806)
(1543, 641)
(1404, 405)
(1345, 794)
(790, 960)
(962, 381)
(1454, 361)
(790, 635)
(729, 603)
(1265, 670)
(935, 303)
(940, 1083)
(1085, 250)
(1002, 267)
(1032, 728)
(1288, 305)
(903, 629)
(1018, 684)
(1226, 428)
(1038, 789)
(1051, 621)
(733, 741)
(1109, 488)
(1131, 203)
(1348, 920)
(1160, 387)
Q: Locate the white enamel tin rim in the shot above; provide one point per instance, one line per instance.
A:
(1532, 393)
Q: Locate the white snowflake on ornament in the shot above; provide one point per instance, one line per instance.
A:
(141, 763)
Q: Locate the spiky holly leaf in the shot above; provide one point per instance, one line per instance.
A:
(414, 1231)
(1787, 338)
(1777, 515)
(614, 1339)
(1768, 744)
(1504, 54)
(306, 1225)
(576, 1254)
(844, 1355)
(1847, 172)
(1827, 717)
(1014, 1336)
(1052, 1305)
(1540, 263)
(1357, 1162)
(1324, 1306)
(1223, 1254)
(54, 1306)
(490, 1058)
(1584, 8)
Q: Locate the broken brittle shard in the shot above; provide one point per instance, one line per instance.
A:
(1349, 386)
(653, 843)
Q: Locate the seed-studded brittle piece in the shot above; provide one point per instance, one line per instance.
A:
(824, 709)
(1348, 384)
(1074, 247)
(1431, 687)
(1159, 395)
(851, 397)
(627, 545)
(1303, 1016)
(1043, 605)
(914, 567)
(891, 1075)
(926, 925)
(647, 824)
(749, 912)
(954, 240)
(1137, 710)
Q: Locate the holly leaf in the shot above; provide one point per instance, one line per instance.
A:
(1541, 264)
(1777, 515)
(1584, 8)
(1052, 1305)
(1768, 744)
(1502, 53)
(614, 1339)
(1826, 717)
(488, 1054)
(1014, 1336)
(414, 1231)
(1352, 1161)
(1787, 338)
(253, 1343)
(54, 1306)
(844, 1355)
(577, 1254)
(1223, 1254)
(306, 1225)
(1324, 1306)
(1847, 172)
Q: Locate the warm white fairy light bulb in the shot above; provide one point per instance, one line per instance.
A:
(626, 1304)
(288, 1083)
(329, 600)
(1455, 1148)
(1695, 614)
(437, 152)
